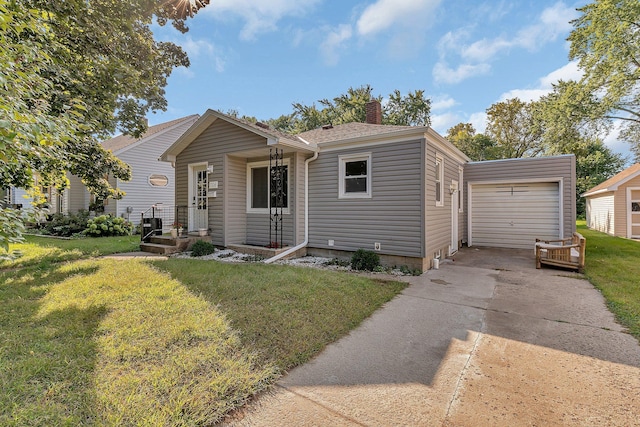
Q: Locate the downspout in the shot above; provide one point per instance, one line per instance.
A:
(306, 215)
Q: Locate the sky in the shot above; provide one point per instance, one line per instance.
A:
(258, 57)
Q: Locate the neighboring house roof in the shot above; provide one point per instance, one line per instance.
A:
(120, 142)
(615, 181)
(272, 136)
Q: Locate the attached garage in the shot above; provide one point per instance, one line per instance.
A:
(514, 214)
(510, 203)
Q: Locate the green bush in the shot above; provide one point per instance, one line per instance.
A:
(107, 225)
(364, 260)
(201, 248)
(66, 225)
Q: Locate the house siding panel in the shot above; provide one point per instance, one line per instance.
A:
(78, 196)
(140, 194)
(534, 169)
(600, 213)
(438, 218)
(622, 206)
(393, 216)
(216, 146)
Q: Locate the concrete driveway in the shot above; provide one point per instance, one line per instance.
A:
(485, 340)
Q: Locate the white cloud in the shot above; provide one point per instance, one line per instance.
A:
(196, 49)
(478, 121)
(385, 14)
(553, 22)
(259, 16)
(442, 103)
(334, 42)
(443, 122)
(545, 83)
(443, 74)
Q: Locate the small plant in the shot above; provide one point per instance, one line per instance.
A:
(107, 225)
(253, 258)
(404, 269)
(66, 225)
(176, 225)
(365, 260)
(202, 248)
(339, 262)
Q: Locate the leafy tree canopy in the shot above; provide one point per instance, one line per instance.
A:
(475, 145)
(73, 72)
(606, 42)
(410, 110)
(511, 126)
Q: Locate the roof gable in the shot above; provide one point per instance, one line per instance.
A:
(122, 142)
(615, 181)
(271, 136)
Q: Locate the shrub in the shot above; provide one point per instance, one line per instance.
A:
(364, 260)
(201, 248)
(66, 225)
(107, 225)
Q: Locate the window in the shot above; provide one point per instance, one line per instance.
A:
(355, 176)
(262, 184)
(439, 181)
(156, 180)
(460, 188)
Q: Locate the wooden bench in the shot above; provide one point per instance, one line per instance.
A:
(568, 253)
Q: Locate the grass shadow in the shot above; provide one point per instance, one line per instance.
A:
(46, 362)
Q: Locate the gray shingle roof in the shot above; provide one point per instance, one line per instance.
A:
(353, 130)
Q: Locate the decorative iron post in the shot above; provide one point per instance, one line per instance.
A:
(276, 196)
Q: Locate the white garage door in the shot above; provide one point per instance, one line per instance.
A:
(513, 215)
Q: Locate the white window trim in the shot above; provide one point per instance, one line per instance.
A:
(460, 189)
(440, 159)
(262, 164)
(342, 160)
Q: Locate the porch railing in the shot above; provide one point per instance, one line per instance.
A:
(155, 220)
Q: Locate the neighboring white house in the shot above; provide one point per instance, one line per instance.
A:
(613, 206)
(152, 182)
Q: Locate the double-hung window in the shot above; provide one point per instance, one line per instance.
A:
(263, 184)
(355, 176)
(439, 181)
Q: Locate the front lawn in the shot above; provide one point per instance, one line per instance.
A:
(177, 342)
(612, 264)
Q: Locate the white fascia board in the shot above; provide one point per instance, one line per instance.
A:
(627, 179)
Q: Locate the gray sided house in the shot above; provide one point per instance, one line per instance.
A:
(396, 190)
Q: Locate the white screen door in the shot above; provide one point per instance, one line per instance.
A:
(198, 212)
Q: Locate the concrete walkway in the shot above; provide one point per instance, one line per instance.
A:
(485, 340)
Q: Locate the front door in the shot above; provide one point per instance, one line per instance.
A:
(198, 211)
(453, 248)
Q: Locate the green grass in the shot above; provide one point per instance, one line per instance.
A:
(612, 264)
(287, 314)
(43, 250)
(178, 342)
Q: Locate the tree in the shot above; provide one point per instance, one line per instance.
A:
(71, 73)
(595, 163)
(475, 145)
(410, 110)
(511, 126)
(606, 42)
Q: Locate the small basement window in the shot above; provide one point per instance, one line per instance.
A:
(157, 180)
(355, 176)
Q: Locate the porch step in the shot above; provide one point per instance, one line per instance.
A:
(159, 248)
(167, 245)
